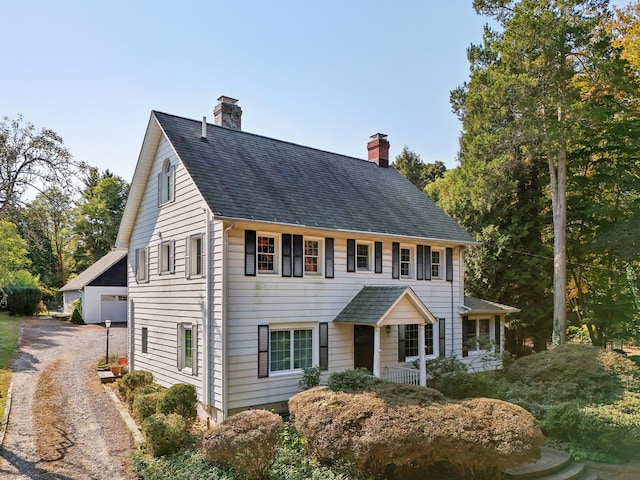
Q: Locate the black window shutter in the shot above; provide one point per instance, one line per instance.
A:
(395, 260)
(427, 262)
(441, 331)
(263, 351)
(286, 254)
(496, 327)
(324, 345)
(250, 252)
(378, 257)
(402, 353)
(468, 328)
(419, 262)
(328, 258)
(449, 265)
(297, 255)
(351, 255)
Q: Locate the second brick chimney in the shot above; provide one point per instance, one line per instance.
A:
(228, 114)
(378, 148)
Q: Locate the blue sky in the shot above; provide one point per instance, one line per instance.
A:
(323, 74)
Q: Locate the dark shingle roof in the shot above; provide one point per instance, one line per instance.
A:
(247, 176)
(477, 305)
(370, 305)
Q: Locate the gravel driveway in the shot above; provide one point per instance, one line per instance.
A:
(62, 424)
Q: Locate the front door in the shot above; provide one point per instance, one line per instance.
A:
(363, 347)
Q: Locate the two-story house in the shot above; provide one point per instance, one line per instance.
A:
(251, 258)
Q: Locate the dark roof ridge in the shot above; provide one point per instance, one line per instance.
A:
(315, 149)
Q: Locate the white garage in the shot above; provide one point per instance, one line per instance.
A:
(102, 288)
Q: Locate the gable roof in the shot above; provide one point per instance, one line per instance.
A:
(373, 304)
(95, 270)
(477, 305)
(243, 176)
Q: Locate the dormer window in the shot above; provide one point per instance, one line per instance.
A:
(166, 183)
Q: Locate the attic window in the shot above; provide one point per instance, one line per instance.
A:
(166, 182)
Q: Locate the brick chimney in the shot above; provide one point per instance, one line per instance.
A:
(378, 148)
(227, 114)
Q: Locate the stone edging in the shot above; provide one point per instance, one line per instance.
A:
(124, 413)
(7, 407)
(5, 417)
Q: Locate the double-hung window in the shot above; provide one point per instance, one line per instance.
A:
(312, 256)
(267, 253)
(410, 340)
(142, 265)
(437, 264)
(363, 256)
(477, 333)
(290, 349)
(195, 261)
(166, 260)
(405, 262)
(187, 349)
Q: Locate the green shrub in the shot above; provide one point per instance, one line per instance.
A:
(359, 380)
(164, 434)
(474, 435)
(246, 441)
(310, 378)
(76, 318)
(181, 399)
(145, 404)
(623, 367)
(23, 300)
(450, 376)
(182, 465)
(131, 382)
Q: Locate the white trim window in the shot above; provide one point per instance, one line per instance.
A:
(187, 348)
(144, 340)
(406, 262)
(267, 253)
(312, 256)
(411, 341)
(167, 259)
(363, 256)
(142, 265)
(167, 181)
(478, 334)
(195, 262)
(437, 264)
(290, 349)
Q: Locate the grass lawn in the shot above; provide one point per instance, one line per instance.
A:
(9, 329)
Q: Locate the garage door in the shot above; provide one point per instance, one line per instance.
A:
(114, 307)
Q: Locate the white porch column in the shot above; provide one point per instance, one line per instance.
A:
(376, 352)
(421, 359)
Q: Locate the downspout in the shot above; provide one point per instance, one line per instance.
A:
(452, 319)
(207, 314)
(224, 319)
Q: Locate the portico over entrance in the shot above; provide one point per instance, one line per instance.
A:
(376, 313)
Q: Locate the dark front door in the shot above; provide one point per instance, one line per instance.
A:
(363, 347)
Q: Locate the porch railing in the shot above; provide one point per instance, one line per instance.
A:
(405, 375)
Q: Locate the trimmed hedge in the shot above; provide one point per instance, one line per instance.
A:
(23, 300)
(247, 441)
(164, 434)
(145, 404)
(131, 382)
(478, 435)
(181, 399)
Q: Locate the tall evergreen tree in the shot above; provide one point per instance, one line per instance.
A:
(98, 217)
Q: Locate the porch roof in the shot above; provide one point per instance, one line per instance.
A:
(478, 305)
(374, 305)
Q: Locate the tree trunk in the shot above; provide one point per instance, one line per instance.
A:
(559, 204)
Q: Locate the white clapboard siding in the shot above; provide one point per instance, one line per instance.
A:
(167, 299)
(275, 300)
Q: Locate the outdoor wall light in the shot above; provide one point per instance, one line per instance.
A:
(387, 329)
